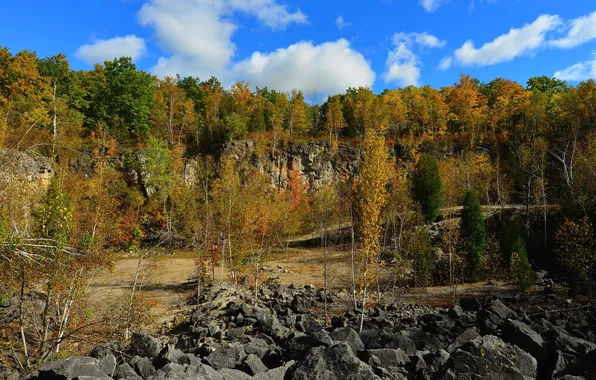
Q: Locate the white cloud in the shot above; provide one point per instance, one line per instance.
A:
(106, 50)
(517, 42)
(198, 33)
(341, 23)
(402, 65)
(580, 30)
(580, 71)
(328, 68)
(432, 5)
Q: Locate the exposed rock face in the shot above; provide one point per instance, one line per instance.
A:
(28, 170)
(229, 339)
(317, 162)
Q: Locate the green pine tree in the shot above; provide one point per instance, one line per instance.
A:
(473, 232)
(427, 187)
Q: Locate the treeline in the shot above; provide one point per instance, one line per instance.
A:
(424, 152)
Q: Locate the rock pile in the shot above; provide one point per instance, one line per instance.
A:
(228, 338)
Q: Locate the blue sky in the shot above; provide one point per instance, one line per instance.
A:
(305, 44)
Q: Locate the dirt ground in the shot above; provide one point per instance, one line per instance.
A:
(167, 280)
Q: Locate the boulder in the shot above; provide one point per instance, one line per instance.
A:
(226, 356)
(335, 362)
(70, 368)
(349, 336)
(502, 311)
(169, 354)
(146, 345)
(488, 357)
(253, 365)
(398, 340)
(143, 366)
(388, 357)
(300, 344)
(464, 337)
(107, 365)
(278, 373)
(569, 344)
(370, 338)
(125, 371)
(234, 374)
(520, 334)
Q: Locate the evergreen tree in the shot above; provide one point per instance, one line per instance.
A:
(427, 187)
(473, 233)
(520, 269)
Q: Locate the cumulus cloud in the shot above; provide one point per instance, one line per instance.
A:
(579, 31)
(328, 68)
(341, 23)
(402, 65)
(198, 33)
(580, 71)
(432, 5)
(106, 50)
(517, 42)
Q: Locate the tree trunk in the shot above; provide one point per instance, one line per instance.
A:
(363, 305)
(21, 317)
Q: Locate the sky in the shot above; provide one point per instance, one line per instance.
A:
(320, 47)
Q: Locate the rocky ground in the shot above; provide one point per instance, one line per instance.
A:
(227, 338)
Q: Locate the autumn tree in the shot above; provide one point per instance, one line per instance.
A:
(473, 232)
(427, 187)
(371, 195)
(466, 104)
(173, 113)
(297, 120)
(334, 118)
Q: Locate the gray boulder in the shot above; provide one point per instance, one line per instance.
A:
(335, 362)
(227, 356)
(349, 336)
(146, 345)
(489, 357)
(520, 334)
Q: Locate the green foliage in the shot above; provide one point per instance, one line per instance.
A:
(427, 187)
(520, 270)
(121, 97)
(473, 232)
(236, 126)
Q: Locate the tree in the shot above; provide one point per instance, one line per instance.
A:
(520, 269)
(172, 114)
(323, 206)
(334, 118)
(371, 195)
(297, 120)
(467, 104)
(427, 187)
(473, 232)
(121, 98)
